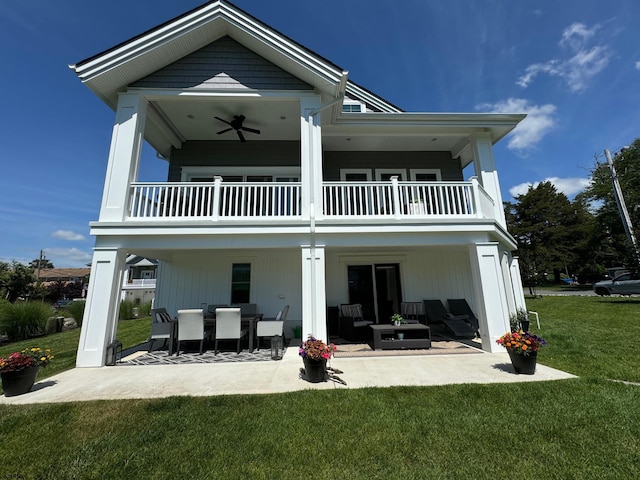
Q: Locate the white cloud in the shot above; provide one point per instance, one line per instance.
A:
(637, 65)
(67, 235)
(568, 186)
(539, 121)
(68, 257)
(577, 68)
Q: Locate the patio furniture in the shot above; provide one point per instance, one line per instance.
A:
(353, 326)
(211, 309)
(191, 327)
(459, 306)
(387, 337)
(412, 312)
(457, 325)
(229, 327)
(160, 326)
(246, 308)
(270, 327)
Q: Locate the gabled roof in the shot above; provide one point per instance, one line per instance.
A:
(111, 71)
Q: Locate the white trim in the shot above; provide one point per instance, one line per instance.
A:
(400, 172)
(346, 171)
(414, 171)
(189, 172)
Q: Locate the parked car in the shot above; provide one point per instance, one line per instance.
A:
(61, 303)
(624, 283)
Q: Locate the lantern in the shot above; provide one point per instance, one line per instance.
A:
(276, 347)
(113, 350)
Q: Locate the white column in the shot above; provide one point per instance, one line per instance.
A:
(505, 263)
(311, 157)
(314, 311)
(489, 286)
(124, 156)
(485, 170)
(100, 320)
(516, 283)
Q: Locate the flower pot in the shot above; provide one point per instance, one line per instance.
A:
(17, 383)
(524, 324)
(522, 364)
(400, 335)
(315, 370)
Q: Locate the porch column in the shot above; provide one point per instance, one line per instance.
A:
(124, 156)
(314, 310)
(311, 157)
(485, 170)
(100, 320)
(489, 286)
(516, 283)
(505, 262)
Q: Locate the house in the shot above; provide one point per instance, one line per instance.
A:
(65, 282)
(139, 285)
(288, 184)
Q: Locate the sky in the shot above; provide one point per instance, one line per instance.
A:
(573, 66)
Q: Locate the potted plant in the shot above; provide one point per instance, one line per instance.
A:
(315, 353)
(19, 369)
(397, 319)
(523, 350)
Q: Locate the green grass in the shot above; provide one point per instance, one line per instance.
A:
(586, 428)
(64, 345)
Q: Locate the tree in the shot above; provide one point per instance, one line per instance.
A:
(16, 280)
(548, 228)
(44, 263)
(618, 248)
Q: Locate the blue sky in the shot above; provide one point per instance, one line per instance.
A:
(572, 65)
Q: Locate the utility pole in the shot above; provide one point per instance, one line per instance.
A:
(39, 262)
(622, 207)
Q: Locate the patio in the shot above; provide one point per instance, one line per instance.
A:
(129, 381)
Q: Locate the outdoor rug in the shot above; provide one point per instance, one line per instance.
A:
(162, 357)
(437, 348)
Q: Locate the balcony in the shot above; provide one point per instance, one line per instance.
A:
(249, 202)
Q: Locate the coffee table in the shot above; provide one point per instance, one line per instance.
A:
(416, 335)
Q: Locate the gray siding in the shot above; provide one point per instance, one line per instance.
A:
(450, 169)
(223, 64)
(233, 153)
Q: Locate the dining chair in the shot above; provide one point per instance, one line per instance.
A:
(412, 312)
(191, 327)
(160, 326)
(229, 327)
(267, 327)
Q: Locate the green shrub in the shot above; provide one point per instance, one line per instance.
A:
(126, 310)
(75, 310)
(21, 320)
(144, 310)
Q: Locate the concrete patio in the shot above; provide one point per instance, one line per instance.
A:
(156, 381)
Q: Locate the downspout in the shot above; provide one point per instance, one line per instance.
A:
(340, 89)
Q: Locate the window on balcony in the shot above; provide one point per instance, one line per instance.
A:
(240, 282)
(425, 175)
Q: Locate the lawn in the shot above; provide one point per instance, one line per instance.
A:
(584, 428)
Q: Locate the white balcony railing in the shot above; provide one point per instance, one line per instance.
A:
(190, 200)
(400, 199)
(256, 201)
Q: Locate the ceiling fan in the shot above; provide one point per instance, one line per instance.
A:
(236, 124)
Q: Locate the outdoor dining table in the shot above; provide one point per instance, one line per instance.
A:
(248, 320)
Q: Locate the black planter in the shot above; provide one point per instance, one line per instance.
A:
(17, 383)
(315, 370)
(524, 324)
(522, 364)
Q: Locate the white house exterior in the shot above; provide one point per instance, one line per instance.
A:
(341, 198)
(139, 281)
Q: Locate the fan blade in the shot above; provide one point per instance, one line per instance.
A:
(222, 120)
(241, 136)
(252, 130)
(225, 130)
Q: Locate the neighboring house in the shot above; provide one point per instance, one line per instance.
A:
(341, 197)
(65, 276)
(139, 279)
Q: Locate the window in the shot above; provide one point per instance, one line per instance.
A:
(240, 282)
(385, 174)
(425, 175)
(352, 107)
(355, 175)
